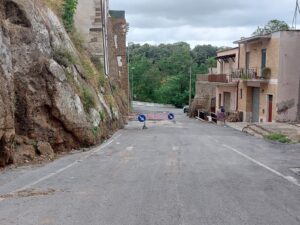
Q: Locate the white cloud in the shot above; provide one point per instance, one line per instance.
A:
(215, 22)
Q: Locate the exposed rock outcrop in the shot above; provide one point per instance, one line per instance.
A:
(41, 97)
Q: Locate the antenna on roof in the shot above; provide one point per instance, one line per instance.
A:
(297, 10)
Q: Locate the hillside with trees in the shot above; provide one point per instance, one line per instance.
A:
(161, 73)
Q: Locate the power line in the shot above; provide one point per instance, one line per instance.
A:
(297, 10)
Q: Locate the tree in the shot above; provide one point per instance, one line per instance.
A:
(270, 27)
(211, 63)
(201, 52)
(161, 73)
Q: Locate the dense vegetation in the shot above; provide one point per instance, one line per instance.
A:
(69, 10)
(161, 73)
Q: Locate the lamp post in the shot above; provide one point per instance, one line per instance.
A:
(190, 89)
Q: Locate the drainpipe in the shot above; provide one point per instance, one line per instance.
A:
(237, 96)
(238, 83)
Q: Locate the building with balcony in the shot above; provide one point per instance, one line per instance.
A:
(268, 77)
(217, 89)
(226, 89)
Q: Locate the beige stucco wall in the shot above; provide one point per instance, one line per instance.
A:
(231, 65)
(255, 48)
(245, 102)
(265, 90)
(289, 77)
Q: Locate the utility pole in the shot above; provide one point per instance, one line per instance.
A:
(190, 91)
(297, 10)
(130, 83)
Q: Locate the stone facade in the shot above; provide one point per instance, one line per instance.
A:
(117, 30)
(104, 33)
(91, 20)
(205, 95)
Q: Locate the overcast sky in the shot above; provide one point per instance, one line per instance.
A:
(216, 22)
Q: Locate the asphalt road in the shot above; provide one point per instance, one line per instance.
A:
(183, 173)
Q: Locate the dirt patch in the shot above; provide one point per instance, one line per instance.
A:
(28, 193)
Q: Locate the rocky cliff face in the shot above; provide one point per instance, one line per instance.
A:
(51, 96)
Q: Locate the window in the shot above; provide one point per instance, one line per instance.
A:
(241, 93)
(116, 40)
(263, 58)
(119, 59)
(220, 100)
(247, 61)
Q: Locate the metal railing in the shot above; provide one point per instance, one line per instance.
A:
(246, 74)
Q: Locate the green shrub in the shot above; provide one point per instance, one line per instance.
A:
(266, 73)
(69, 9)
(102, 115)
(278, 137)
(63, 57)
(88, 99)
(95, 130)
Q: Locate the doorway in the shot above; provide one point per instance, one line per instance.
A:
(255, 104)
(227, 97)
(270, 108)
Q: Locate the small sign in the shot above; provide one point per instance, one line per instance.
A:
(142, 118)
(171, 116)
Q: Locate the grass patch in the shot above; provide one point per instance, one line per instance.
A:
(77, 40)
(95, 130)
(87, 99)
(278, 137)
(102, 115)
(55, 5)
(63, 57)
(95, 76)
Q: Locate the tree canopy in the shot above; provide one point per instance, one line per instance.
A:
(270, 27)
(161, 73)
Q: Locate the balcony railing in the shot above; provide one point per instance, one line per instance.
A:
(246, 74)
(215, 78)
(219, 78)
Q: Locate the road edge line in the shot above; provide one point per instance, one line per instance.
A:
(105, 144)
(290, 179)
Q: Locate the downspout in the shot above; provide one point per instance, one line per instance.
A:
(237, 96)
(238, 83)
